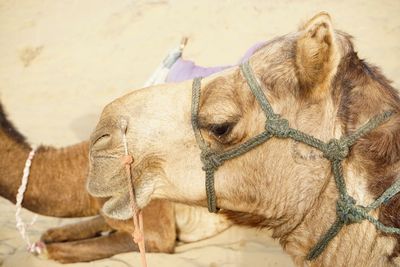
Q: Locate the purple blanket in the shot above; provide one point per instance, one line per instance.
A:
(186, 70)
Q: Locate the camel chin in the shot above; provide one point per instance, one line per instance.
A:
(119, 205)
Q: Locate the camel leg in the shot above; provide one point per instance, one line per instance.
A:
(76, 231)
(159, 227)
(91, 249)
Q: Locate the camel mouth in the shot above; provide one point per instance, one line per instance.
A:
(118, 207)
(98, 188)
(101, 194)
(108, 178)
(112, 182)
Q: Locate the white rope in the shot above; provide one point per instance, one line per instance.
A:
(20, 224)
(160, 74)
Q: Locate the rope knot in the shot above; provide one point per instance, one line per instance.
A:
(127, 159)
(349, 212)
(210, 160)
(336, 149)
(277, 126)
(137, 236)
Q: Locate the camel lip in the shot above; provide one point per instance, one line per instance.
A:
(114, 184)
(112, 207)
(103, 156)
(100, 194)
(98, 190)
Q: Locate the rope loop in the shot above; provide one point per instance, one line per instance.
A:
(348, 212)
(277, 126)
(336, 150)
(210, 160)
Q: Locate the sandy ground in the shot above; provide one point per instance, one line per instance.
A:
(62, 61)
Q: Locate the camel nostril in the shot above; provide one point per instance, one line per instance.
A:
(101, 141)
(103, 138)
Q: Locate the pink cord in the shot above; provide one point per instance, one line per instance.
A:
(138, 233)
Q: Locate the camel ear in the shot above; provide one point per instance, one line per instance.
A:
(316, 53)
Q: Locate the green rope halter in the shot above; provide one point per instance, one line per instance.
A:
(335, 150)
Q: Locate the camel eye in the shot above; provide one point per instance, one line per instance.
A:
(221, 130)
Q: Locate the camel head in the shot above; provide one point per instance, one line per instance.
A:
(313, 78)
(295, 70)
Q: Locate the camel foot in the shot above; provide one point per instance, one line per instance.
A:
(54, 235)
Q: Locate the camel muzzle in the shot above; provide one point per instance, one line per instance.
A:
(103, 152)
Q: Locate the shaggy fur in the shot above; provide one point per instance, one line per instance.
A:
(364, 92)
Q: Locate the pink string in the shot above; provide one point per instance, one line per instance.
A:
(138, 233)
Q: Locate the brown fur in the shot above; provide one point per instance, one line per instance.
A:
(9, 129)
(57, 188)
(360, 91)
(365, 91)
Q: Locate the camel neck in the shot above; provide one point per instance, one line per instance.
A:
(56, 184)
(367, 246)
(13, 153)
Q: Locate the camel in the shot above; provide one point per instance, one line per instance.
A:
(57, 188)
(315, 80)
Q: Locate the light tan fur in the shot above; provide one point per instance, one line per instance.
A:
(314, 79)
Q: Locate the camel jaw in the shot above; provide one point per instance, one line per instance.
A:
(97, 188)
(108, 179)
(119, 206)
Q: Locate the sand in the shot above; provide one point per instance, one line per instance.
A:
(62, 61)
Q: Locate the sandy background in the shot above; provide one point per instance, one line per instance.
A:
(62, 61)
